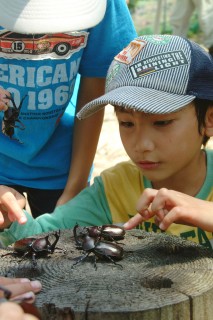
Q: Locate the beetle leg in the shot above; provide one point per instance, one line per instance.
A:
(34, 262)
(78, 243)
(57, 235)
(20, 105)
(108, 237)
(81, 259)
(7, 254)
(109, 258)
(12, 100)
(22, 125)
(95, 262)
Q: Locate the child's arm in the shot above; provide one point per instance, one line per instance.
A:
(169, 207)
(85, 139)
(90, 207)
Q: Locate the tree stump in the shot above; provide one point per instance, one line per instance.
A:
(162, 277)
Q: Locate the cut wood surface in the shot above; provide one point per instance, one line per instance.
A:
(162, 277)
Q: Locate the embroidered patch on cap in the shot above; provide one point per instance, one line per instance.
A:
(158, 39)
(130, 52)
(157, 63)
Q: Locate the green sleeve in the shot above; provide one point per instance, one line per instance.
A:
(90, 207)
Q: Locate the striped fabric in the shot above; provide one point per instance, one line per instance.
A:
(156, 74)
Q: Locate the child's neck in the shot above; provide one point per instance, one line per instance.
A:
(189, 181)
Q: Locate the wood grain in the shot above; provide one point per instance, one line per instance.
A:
(162, 277)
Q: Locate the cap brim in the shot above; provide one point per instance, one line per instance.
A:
(50, 16)
(139, 99)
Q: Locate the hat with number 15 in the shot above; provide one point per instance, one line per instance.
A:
(156, 74)
(50, 16)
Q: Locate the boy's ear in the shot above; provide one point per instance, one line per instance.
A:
(209, 122)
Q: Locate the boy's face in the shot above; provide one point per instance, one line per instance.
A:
(164, 147)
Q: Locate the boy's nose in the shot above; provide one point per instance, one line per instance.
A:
(144, 143)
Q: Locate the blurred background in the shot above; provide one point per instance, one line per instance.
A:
(153, 17)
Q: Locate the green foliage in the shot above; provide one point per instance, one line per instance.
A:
(141, 8)
(194, 25)
(132, 4)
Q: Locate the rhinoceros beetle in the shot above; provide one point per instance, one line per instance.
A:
(34, 247)
(109, 232)
(102, 249)
(11, 118)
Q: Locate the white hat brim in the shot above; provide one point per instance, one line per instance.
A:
(139, 99)
(50, 16)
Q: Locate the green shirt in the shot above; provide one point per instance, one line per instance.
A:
(111, 199)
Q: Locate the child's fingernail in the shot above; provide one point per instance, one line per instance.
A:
(23, 219)
(161, 226)
(145, 214)
(24, 280)
(127, 225)
(28, 296)
(36, 284)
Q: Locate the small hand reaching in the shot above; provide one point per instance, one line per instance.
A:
(11, 205)
(169, 206)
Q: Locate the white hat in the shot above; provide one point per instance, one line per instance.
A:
(50, 16)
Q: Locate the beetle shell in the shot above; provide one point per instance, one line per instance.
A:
(40, 246)
(109, 232)
(23, 245)
(113, 232)
(104, 249)
(88, 243)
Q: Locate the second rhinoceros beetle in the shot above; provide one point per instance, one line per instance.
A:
(109, 232)
(104, 250)
(34, 247)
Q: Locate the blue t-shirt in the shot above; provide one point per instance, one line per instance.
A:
(42, 70)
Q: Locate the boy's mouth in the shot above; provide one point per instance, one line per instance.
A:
(148, 165)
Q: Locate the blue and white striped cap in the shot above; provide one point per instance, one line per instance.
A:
(156, 74)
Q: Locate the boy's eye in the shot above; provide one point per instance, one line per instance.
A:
(162, 123)
(126, 124)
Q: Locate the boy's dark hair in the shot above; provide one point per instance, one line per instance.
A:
(201, 107)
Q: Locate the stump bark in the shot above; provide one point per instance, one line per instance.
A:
(162, 277)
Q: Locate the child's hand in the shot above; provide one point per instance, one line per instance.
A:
(21, 289)
(4, 102)
(12, 311)
(11, 205)
(169, 206)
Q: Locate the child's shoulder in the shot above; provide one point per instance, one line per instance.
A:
(123, 170)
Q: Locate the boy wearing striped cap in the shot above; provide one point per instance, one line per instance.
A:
(161, 88)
